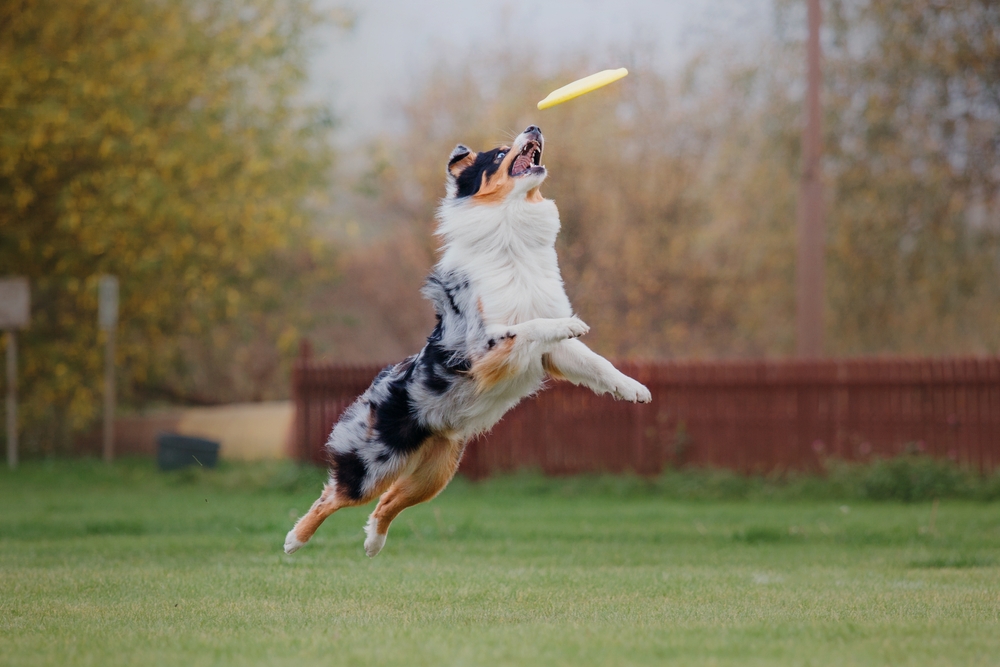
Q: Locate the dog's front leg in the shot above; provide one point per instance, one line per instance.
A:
(572, 360)
(510, 349)
(540, 330)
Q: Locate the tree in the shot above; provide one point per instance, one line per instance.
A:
(655, 225)
(914, 95)
(678, 193)
(160, 141)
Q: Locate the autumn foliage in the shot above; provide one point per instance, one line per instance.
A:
(678, 193)
(159, 142)
(167, 143)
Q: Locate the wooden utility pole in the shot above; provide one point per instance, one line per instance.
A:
(810, 257)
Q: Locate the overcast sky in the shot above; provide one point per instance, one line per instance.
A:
(362, 71)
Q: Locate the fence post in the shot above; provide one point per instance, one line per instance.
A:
(15, 312)
(11, 399)
(107, 320)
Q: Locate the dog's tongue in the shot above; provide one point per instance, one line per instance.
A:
(521, 164)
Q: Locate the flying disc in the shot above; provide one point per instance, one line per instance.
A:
(582, 87)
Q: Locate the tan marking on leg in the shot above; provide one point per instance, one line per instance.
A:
(332, 500)
(494, 366)
(328, 503)
(371, 494)
(439, 460)
(550, 368)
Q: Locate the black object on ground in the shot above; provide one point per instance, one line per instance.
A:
(177, 451)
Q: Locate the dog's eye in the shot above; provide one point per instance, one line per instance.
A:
(500, 155)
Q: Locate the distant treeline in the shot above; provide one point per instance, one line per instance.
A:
(678, 193)
(161, 142)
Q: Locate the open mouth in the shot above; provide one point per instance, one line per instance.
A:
(530, 156)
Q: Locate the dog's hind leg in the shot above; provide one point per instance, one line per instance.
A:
(439, 461)
(325, 505)
(331, 500)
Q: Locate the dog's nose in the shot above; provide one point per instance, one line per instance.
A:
(533, 128)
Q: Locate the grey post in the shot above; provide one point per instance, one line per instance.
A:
(107, 319)
(11, 398)
(15, 311)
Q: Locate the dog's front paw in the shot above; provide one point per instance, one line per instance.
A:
(572, 327)
(628, 389)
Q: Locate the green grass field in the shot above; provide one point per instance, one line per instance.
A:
(127, 566)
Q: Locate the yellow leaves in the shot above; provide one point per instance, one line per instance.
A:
(23, 196)
(107, 144)
(233, 300)
(288, 341)
(38, 137)
(127, 150)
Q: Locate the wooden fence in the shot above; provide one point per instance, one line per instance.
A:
(752, 416)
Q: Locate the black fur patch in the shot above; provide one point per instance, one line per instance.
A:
(350, 471)
(471, 178)
(435, 380)
(395, 419)
(436, 284)
(441, 366)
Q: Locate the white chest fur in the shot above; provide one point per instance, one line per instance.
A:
(509, 252)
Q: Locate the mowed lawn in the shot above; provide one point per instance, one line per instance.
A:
(127, 566)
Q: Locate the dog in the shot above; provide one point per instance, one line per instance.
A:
(504, 325)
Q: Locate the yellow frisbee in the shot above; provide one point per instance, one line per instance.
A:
(582, 87)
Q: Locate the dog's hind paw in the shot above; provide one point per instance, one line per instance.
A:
(292, 542)
(373, 540)
(628, 389)
(374, 544)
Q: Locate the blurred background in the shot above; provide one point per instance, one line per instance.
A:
(262, 172)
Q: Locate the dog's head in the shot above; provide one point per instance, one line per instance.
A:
(499, 175)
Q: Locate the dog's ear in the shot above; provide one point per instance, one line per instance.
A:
(458, 154)
(460, 158)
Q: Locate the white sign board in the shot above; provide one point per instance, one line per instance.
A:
(107, 304)
(15, 303)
